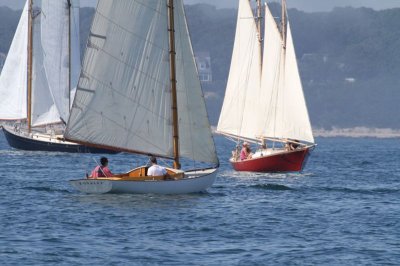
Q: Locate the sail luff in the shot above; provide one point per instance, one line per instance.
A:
(172, 60)
(29, 66)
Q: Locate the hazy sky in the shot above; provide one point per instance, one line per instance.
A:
(312, 5)
(306, 5)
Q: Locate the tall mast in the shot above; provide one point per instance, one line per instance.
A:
(30, 44)
(259, 29)
(284, 22)
(69, 53)
(172, 60)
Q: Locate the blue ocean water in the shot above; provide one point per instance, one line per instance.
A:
(344, 209)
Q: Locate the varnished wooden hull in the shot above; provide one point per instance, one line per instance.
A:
(285, 161)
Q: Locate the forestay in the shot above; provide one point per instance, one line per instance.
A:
(13, 78)
(239, 111)
(123, 98)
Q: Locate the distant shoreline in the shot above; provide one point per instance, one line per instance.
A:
(355, 132)
(358, 132)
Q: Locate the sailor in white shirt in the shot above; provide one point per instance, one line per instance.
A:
(156, 170)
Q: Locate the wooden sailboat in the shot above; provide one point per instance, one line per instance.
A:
(39, 76)
(264, 102)
(139, 92)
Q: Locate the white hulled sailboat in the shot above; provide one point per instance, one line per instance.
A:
(139, 92)
(264, 102)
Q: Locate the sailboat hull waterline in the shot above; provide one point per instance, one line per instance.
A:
(284, 161)
(46, 142)
(193, 182)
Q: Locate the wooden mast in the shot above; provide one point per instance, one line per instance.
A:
(30, 44)
(172, 60)
(259, 30)
(284, 22)
(69, 54)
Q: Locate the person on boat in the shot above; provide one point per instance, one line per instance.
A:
(157, 170)
(101, 170)
(236, 153)
(292, 145)
(245, 153)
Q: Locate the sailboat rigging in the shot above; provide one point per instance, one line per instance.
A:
(265, 105)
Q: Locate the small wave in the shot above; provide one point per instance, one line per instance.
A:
(362, 190)
(47, 189)
(271, 187)
(366, 163)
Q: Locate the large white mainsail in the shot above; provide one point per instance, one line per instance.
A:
(238, 116)
(285, 112)
(123, 98)
(13, 77)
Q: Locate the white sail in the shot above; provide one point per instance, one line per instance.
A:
(123, 98)
(55, 44)
(13, 78)
(195, 136)
(123, 95)
(239, 114)
(297, 123)
(44, 110)
(270, 98)
(286, 114)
